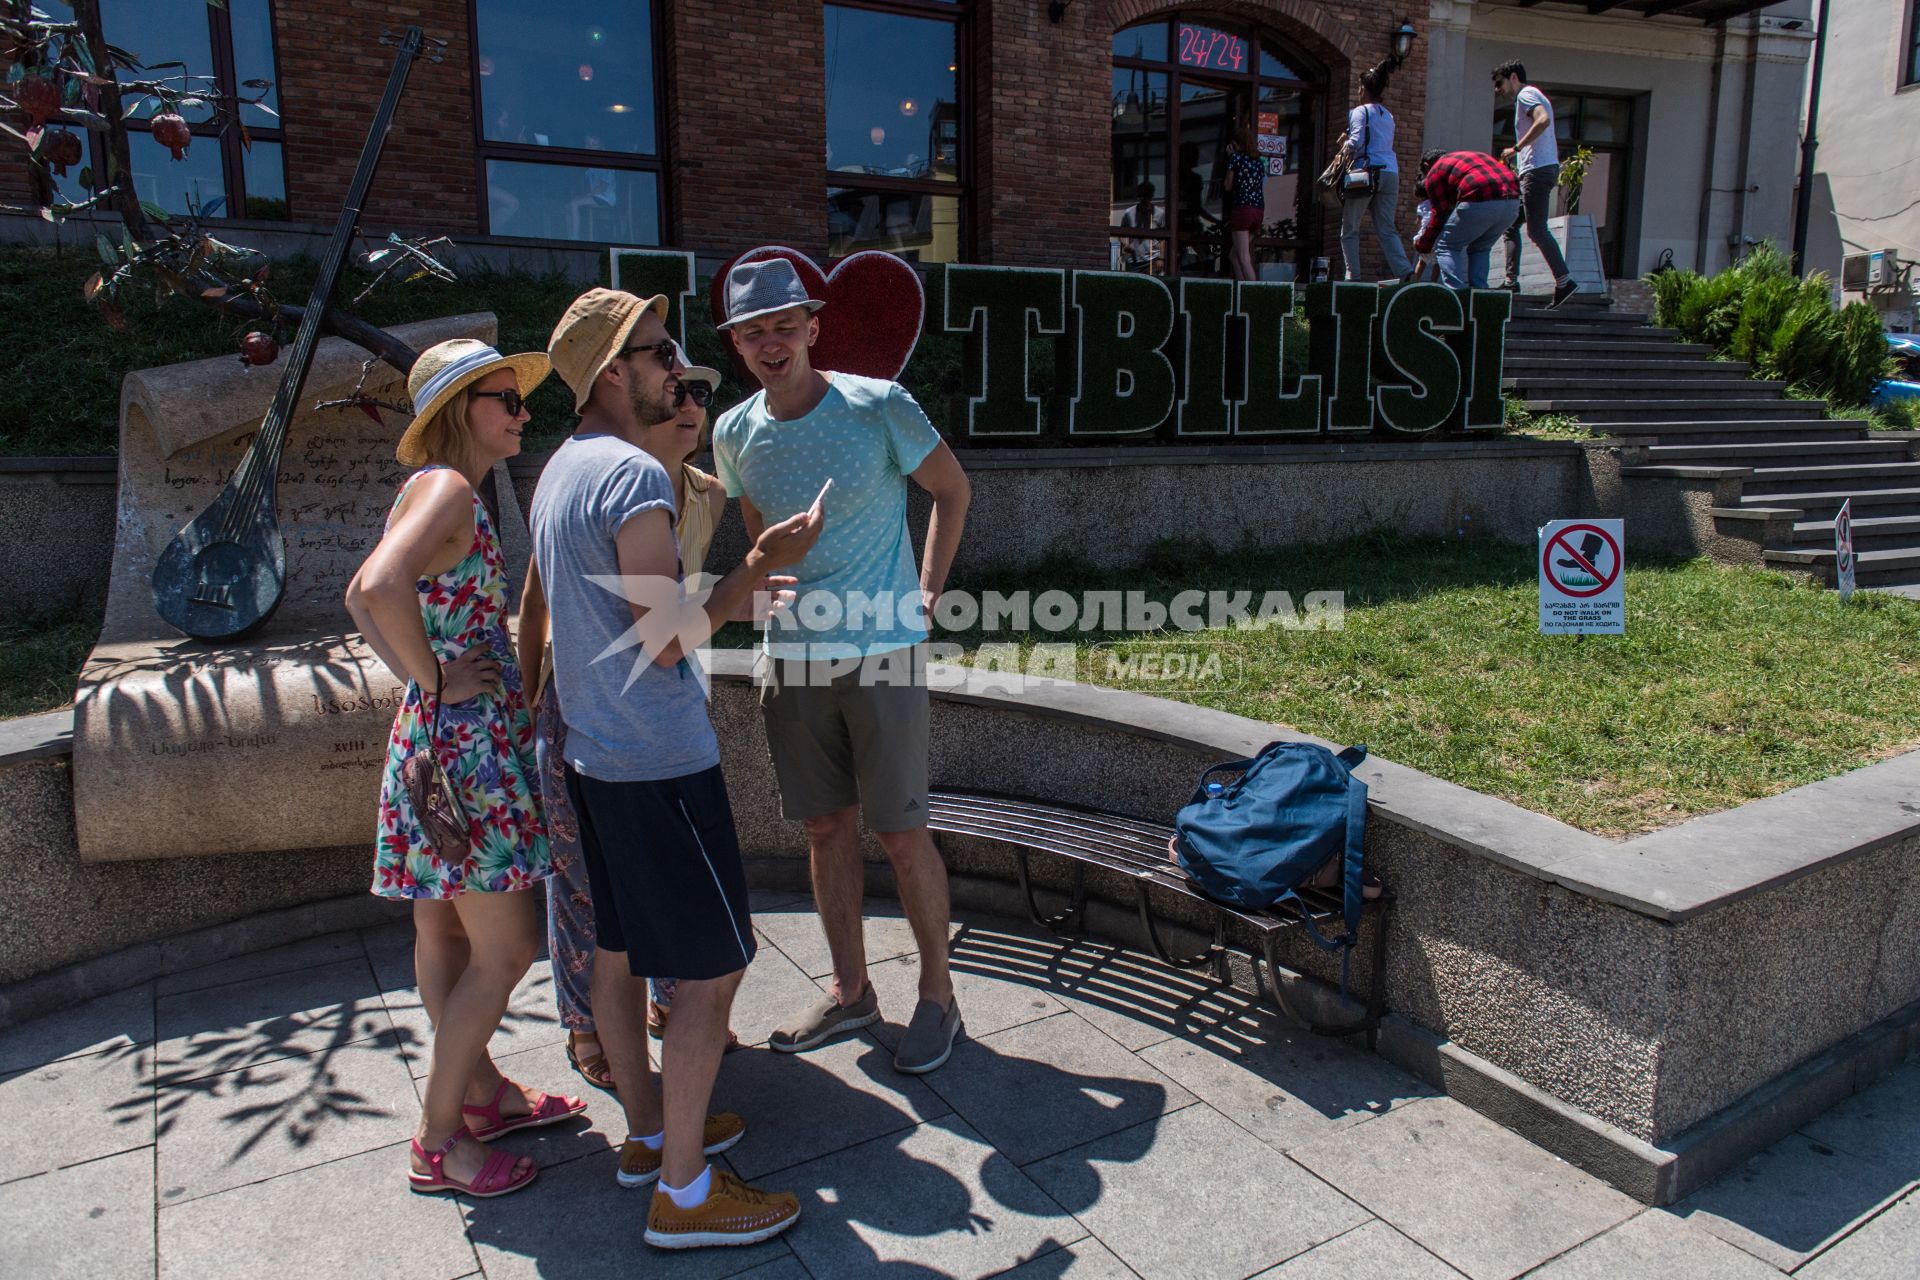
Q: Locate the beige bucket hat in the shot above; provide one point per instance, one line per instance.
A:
(452, 366)
(592, 332)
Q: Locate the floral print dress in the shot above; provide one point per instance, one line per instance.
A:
(486, 744)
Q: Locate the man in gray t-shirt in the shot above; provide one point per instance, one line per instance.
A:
(1535, 155)
(628, 719)
(642, 764)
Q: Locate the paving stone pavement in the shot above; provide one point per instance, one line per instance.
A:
(1103, 1120)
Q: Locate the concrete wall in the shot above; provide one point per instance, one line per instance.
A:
(56, 520)
(60, 910)
(1868, 165)
(1104, 506)
(1109, 506)
(1706, 174)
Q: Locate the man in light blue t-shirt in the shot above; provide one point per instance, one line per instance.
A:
(846, 701)
(1535, 156)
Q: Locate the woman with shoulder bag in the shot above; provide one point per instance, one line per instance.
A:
(460, 833)
(1371, 185)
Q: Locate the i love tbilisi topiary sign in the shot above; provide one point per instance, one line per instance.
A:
(1136, 361)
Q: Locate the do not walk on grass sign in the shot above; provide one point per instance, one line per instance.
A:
(1582, 588)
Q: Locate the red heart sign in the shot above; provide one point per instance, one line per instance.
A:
(871, 323)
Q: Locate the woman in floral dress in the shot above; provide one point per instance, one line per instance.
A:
(431, 600)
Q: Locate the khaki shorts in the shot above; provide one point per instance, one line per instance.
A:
(843, 734)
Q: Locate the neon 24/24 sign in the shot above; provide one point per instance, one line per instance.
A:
(1215, 50)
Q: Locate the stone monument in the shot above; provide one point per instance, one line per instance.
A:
(183, 747)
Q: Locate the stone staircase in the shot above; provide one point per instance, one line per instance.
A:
(1776, 469)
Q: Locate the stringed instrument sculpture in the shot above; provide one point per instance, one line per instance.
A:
(223, 575)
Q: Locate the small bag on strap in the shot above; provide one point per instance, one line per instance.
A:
(436, 805)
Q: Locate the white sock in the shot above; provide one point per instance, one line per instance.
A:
(651, 1143)
(694, 1193)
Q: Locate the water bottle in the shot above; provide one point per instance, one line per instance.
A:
(1215, 790)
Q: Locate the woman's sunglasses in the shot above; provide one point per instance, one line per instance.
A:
(698, 392)
(510, 399)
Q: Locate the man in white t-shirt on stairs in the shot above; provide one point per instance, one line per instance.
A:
(1535, 156)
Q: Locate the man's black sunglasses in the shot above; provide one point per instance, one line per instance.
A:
(511, 399)
(699, 392)
(666, 349)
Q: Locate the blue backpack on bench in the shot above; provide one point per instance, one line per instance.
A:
(1294, 808)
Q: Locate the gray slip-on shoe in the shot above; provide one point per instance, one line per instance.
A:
(929, 1039)
(824, 1019)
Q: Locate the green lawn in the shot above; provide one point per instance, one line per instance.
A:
(40, 661)
(66, 399)
(66, 395)
(1730, 684)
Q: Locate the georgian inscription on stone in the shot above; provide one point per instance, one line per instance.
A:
(182, 747)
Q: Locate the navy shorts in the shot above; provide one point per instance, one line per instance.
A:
(663, 864)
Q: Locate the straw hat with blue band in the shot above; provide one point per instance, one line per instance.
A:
(453, 366)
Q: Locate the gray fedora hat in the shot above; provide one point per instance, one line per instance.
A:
(761, 288)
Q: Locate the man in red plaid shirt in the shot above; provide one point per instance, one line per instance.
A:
(1475, 199)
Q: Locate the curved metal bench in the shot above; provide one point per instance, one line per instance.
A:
(1137, 850)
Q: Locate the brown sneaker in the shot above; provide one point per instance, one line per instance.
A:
(640, 1164)
(824, 1019)
(732, 1213)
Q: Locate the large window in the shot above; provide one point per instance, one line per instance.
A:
(1605, 126)
(569, 119)
(236, 175)
(896, 128)
(1180, 89)
(1910, 65)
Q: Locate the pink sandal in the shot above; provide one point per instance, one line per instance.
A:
(496, 1177)
(548, 1108)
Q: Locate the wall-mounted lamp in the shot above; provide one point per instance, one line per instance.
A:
(1056, 10)
(1403, 38)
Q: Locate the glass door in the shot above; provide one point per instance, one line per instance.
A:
(1209, 112)
(1180, 88)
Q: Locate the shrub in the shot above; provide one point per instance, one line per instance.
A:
(1669, 287)
(1861, 360)
(1786, 329)
(1897, 415)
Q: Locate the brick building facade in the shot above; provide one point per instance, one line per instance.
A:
(732, 111)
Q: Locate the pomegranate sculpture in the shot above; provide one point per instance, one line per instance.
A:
(61, 148)
(39, 97)
(171, 132)
(258, 348)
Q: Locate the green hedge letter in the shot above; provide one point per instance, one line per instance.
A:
(1270, 410)
(1205, 407)
(994, 307)
(1341, 316)
(1125, 382)
(1482, 348)
(1412, 337)
(650, 272)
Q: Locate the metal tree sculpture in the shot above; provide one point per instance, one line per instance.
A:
(58, 77)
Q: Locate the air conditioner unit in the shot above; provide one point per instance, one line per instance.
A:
(1865, 272)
